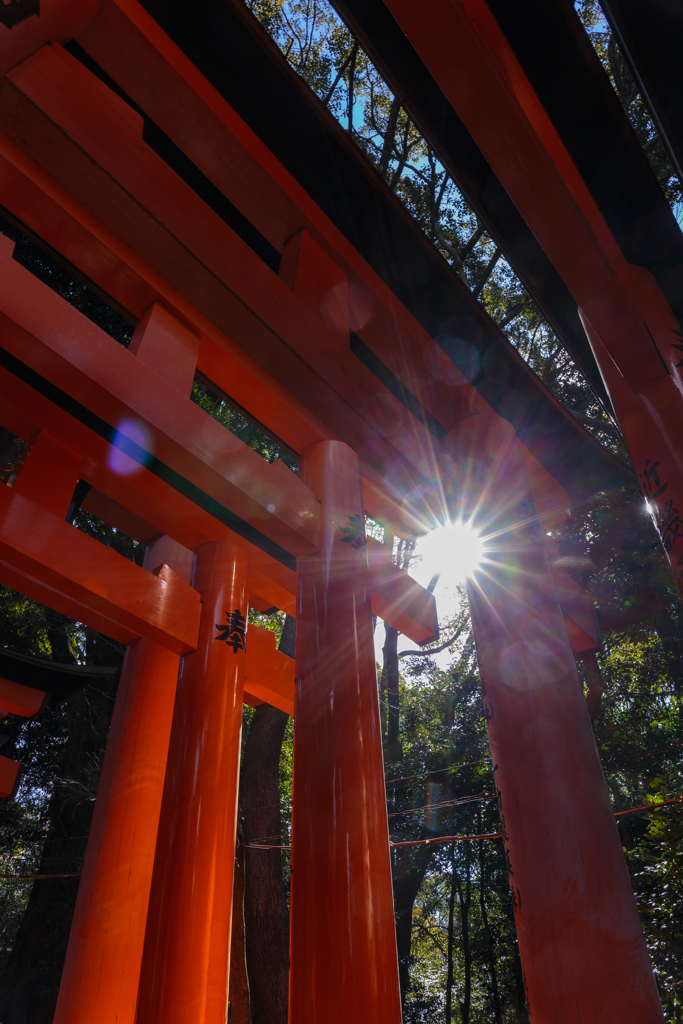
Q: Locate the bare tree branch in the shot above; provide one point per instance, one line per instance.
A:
(352, 71)
(430, 935)
(452, 251)
(389, 136)
(472, 241)
(488, 270)
(433, 650)
(512, 313)
(340, 73)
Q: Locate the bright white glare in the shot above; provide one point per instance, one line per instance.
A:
(454, 551)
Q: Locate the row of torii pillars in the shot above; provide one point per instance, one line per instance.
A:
(152, 924)
(150, 938)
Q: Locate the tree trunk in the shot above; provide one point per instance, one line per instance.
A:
(520, 986)
(239, 983)
(266, 916)
(465, 901)
(390, 687)
(451, 916)
(409, 866)
(389, 136)
(622, 823)
(491, 955)
(596, 686)
(30, 981)
(488, 270)
(352, 73)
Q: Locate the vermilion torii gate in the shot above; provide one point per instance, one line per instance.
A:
(265, 262)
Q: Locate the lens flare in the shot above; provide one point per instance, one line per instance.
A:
(443, 560)
(453, 552)
(131, 448)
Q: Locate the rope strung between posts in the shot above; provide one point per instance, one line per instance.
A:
(645, 809)
(447, 839)
(468, 764)
(649, 807)
(436, 771)
(74, 874)
(443, 803)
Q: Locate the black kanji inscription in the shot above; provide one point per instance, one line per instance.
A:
(667, 518)
(233, 632)
(649, 481)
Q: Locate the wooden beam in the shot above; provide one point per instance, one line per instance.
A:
(122, 181)
(10, 777)
(24, 27)
(398, 599)
(131, 47)
(268, 674)
(88, 366)
(16, 699)
(39, 545)
(119, 386)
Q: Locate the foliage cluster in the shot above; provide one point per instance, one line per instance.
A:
(321, 49)
(626, 88)
(224, 411)
(66, 282)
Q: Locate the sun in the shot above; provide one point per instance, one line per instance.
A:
(446, 558)
(452, 552)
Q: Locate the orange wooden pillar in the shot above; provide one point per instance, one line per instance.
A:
(580, 938)
(344, 965)
(102, 967)
(184, 978)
